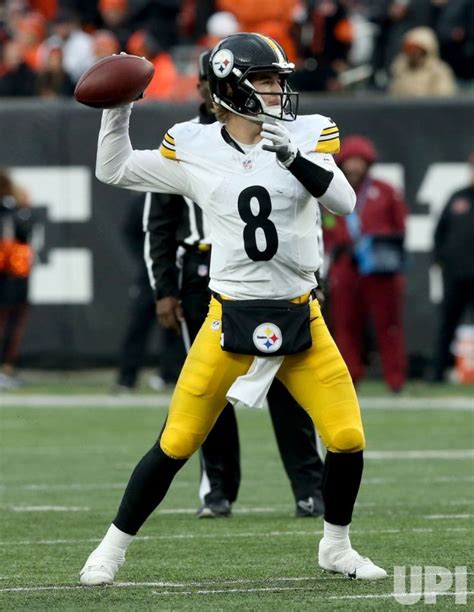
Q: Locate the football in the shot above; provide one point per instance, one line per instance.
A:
(114, 81)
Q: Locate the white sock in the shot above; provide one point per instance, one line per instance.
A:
(337, 535)
(115, 542)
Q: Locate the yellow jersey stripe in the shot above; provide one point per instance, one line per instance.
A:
(329, 130)
(169, 138)
(167, 152)
(329, 136)
(166, 144)
(328, 146)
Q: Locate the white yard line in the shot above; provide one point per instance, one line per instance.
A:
(312, 590)
(84, 401)
(420, 454)
(79, 486)
(49, 509)
(19, 507)
(191, 583)
(417, 403)
(390, 595)
(438, 517)
(162, 401)
(200, 583)
(93, 486)
(231, 535)
(222, 591)
(379, 455)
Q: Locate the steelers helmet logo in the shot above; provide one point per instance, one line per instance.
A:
(267, 337)
(222, 63)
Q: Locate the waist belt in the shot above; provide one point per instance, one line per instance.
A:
(265, 327)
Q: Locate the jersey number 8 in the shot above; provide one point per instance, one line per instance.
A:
(259, 221)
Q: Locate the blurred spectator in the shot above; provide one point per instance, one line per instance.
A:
(394, 19)
(193, 22)
(418, 69)
(158, 17)
(16, 77)
(271, 17)
(53, 80)
(454, 252)
(366, 262)
(165, 79)
(115, 19)
(47, 8)
(14, 11)
(363, 33)
(30, 33)
(456, 32)
(141, 320)
(87, 12)
(219, 26)
(16, 258)
(105, 44)
(326, 44)
(78, 54)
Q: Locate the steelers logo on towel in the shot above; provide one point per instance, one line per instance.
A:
(267, 337)
(222, 63)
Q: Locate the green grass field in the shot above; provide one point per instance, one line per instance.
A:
(65, 458)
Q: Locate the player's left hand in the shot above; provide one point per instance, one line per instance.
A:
(170, 313)
(280, 138)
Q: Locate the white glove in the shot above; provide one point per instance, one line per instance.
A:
(280, 138)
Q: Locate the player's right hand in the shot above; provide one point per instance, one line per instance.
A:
(170, 313)
(281, 143)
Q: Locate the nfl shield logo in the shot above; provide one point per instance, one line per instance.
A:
(202, 270)
(247, 164)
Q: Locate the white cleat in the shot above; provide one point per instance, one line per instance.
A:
(100, 569)
(347, 561)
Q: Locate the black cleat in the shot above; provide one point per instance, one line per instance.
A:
(310, 507)
(219, 509)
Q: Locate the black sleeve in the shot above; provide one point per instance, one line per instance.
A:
(23, 222)
(440, 233)
(313, 178)
(132, 229)
(161, 225)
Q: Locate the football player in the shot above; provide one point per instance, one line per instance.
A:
(257, 174)
(182, 300)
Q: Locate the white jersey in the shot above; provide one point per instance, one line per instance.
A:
(263, 223)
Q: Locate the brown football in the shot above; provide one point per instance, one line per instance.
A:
(114, 81)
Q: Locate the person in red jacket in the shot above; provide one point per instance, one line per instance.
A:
(366, 266)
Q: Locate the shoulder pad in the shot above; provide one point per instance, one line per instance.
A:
(168, 146)
(316, 133)
(177, 139)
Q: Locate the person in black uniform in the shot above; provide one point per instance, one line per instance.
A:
(453, 251)
(141, 319)
(182, 299)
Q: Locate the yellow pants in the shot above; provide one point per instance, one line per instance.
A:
(318, 379)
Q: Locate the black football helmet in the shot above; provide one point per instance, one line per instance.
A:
(236, 57)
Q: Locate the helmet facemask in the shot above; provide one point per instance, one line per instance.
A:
(254, 106)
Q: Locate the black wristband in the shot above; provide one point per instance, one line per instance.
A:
(314, 178)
